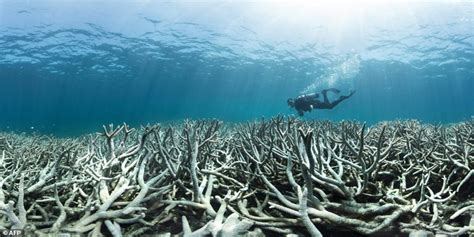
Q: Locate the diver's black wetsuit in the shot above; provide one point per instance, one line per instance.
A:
(306, 103)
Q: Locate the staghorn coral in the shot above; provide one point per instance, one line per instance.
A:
(281, 176)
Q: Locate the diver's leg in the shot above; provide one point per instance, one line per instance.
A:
(325, 93)
(334, 90)
(336, 102)
(325, 96)
(341, 98)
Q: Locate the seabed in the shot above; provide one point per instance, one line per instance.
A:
(277, 177)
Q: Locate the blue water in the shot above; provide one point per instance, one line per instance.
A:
(67, 67)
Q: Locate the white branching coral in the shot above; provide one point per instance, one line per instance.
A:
(204, 178)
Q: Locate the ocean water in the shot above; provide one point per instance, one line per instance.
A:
(68, 67)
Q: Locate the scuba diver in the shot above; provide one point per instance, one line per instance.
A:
(306, 103)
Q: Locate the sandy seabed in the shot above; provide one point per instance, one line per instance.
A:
(274, 177)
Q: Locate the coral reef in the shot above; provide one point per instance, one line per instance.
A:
(275, 177)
